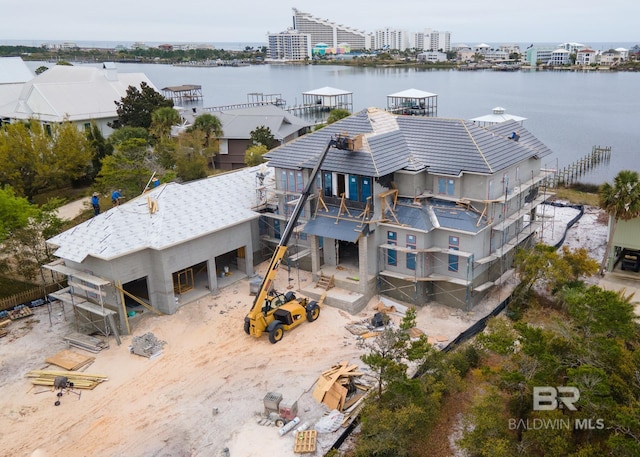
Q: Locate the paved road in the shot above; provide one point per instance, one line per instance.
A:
(74, 209)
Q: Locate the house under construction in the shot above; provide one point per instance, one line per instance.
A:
(418, 208)
(424, 209)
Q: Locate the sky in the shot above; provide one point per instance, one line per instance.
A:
(214, 21)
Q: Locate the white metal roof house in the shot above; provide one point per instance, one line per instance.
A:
(169, 246)
(80, 94)
(13, 74)
(423, 209)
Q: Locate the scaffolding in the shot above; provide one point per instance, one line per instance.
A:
(86, 294)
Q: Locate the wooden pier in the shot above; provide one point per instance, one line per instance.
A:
(569, 175)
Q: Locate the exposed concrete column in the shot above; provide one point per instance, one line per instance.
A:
(315, 257)
(211, 273)
(163, 296)
(363, 264)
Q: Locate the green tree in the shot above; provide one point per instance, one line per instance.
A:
(15, 212)
(191, 156)
(336, 114)
(209, 125)
(622, 202)
(127, 133)
(33, 158)
(390, 352)
(254, 155)
(128, 168)
(41, 69)
(26, 246)
(262, 135)
(135, 108)
(101, 148)
(486, 428)
(162, 120)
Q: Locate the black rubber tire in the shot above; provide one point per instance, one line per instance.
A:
(276, 333)
(313, 311)
(280, 423)
(247, 326)
(57, 403)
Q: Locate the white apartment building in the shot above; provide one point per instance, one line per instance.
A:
(391, 39)
(559, 57)
(325, 31)
(431, 40)
(437, 41)
(289, 45)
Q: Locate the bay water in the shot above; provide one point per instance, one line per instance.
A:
(569, 111)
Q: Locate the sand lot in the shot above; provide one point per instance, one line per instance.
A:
(203, 393)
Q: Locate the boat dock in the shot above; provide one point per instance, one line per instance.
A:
(569, 174)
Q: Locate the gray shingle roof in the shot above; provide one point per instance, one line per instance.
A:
(392, 143)
(238, 123)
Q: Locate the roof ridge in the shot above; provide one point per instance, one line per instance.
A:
(464, 124)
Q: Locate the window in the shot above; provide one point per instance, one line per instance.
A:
(392, 254)
(454, 245)
(446, 186)
(411, 258)
(327, 187)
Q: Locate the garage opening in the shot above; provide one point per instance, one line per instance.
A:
(230, 267)
(134, 292)
(191, 282)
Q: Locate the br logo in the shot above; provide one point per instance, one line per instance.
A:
(546, 398)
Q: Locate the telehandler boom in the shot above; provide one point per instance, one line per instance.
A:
(273, 312)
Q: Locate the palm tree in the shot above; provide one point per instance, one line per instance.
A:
(622, 202)
(210, 125)
(162, 120)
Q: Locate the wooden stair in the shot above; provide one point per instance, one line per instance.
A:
(325, 282)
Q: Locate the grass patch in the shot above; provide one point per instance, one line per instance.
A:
(578, 196)
(68, 194)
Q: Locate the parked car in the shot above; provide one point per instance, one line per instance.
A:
(630, 260)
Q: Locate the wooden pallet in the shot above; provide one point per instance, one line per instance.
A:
(19, 313)
(305, 442)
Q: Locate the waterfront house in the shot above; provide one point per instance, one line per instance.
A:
(423, 209)
(13, 74)
(238, 123)
(79, 94)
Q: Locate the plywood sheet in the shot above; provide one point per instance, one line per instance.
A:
(70, 360)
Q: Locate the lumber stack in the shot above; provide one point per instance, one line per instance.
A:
(86, 342)
(79, 380)
(332, 387)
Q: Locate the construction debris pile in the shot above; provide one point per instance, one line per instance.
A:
(340, 387)
(6, 317)
(147, 345)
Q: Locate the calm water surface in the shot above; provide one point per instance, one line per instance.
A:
(569, 111)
